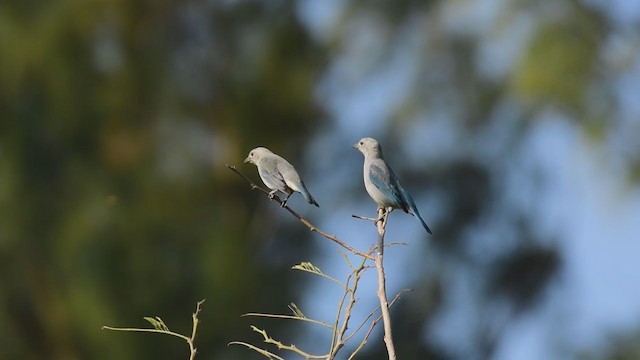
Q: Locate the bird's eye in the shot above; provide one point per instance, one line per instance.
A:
(361, 142)
(251, 154)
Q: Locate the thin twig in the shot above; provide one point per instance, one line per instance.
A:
(269, 340)
(334, 335)
(395, 243)
(300, 218)
(372, 325)
(261, 351)
(159, 331)
(290, 317)
(364, 218)
(372, 313)
(194, 329)
(166, 331)
(338, 341)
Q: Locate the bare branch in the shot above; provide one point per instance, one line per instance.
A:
(269, 340)
(338, 339)
(290, 317)
(194, 329)
(159, 331)
(335, 343)
(261, 351)
(372, 325)
(364, 218)
(395, 244)
(382, 292)
(372, 313)
(300, 218)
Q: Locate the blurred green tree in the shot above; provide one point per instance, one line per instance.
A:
(118, 119)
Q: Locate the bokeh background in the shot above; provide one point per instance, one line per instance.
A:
(515, 124)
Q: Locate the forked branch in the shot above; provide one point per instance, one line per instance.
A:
(160, 327)
(348, 300)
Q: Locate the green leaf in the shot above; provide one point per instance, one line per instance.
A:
(307, 266)
(296, 311)
(157, 323)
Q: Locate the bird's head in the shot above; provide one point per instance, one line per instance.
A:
(368, 146)
(256, 154)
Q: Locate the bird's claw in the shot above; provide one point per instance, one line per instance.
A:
(382, 214)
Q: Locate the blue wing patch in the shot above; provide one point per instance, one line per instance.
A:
(387, 183)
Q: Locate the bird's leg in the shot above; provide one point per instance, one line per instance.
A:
(284, 203)
(272, 193)
(380, 211)
(383, 213)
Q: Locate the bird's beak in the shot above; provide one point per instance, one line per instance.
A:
(355, 146)
(246, 160)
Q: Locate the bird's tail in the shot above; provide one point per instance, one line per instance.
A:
(426, 227)
(414, 212)
(308, 197)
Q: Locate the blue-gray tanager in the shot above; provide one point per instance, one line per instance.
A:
(278, 174)
(382, 184)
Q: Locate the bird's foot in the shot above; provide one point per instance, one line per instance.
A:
(382, 214)
(284, 202)
(272, 194)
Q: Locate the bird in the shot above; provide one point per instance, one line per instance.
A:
(382, 183)
(278, 174)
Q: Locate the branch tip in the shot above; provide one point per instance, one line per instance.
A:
(364, 218)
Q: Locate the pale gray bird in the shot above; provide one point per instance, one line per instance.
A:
(382, 184)
(278, 174)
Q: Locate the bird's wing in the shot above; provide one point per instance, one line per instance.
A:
(289, 175)
(384, 179)
(270, 174)
(293, 180)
